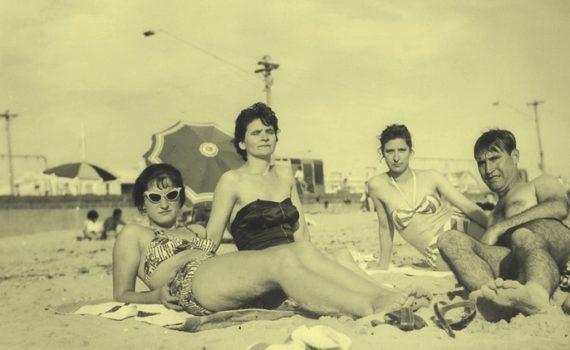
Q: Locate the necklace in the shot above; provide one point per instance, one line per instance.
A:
(402, 193)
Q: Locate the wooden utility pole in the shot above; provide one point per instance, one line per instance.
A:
(535, 104)
(266, 70)
(8, 116)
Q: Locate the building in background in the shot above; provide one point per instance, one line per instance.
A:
(313, 173)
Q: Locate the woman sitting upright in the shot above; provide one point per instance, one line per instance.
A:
(416, 203)
(258, 202)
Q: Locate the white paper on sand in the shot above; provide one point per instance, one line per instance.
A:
(155, 314)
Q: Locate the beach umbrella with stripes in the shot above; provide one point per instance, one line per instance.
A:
(81, 171)
(201, 151)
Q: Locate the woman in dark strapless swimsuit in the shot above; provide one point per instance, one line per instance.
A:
(258, 203)
(181, 270)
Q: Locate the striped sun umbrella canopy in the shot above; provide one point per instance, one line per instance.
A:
(82, 171)
(201, 151)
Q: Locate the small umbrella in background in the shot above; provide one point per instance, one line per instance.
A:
(82, 171)
(202, 153)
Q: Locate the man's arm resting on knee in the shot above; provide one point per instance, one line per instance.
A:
(552, 204)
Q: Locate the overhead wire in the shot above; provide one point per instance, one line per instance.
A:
(236, 68)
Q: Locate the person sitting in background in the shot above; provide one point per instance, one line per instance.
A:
(110, 226)
(92, 228)
(412, 202)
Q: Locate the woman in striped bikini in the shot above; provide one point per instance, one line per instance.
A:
(419, 204)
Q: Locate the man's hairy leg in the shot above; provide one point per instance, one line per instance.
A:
(538, 277)
(473, 263)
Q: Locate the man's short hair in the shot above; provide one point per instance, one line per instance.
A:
(495, 139)
(117, 212)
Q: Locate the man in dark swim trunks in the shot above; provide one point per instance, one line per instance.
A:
(520, 273)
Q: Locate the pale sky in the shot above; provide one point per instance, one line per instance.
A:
(348, 69)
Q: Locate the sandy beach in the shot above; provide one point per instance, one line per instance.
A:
(39, 272)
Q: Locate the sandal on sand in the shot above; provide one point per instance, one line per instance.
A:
(405, 319)
(456, 323)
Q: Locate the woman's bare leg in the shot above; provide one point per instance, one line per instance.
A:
(345, 258)
(329, 268)
(229, 281)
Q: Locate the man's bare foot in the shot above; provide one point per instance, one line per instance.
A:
(414, 298)
(389, 302)
(529, 298)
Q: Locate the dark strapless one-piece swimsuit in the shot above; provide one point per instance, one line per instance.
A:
(262, 224)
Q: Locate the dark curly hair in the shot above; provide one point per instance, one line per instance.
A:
(499, 139)
(394, 131)
(92, 215)
(159, 174)
(259, 111)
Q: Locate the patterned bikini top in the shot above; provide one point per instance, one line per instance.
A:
(428, 205)
(164, 246)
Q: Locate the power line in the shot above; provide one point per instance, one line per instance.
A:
(26, 156)
(237, 68)
(499, 103)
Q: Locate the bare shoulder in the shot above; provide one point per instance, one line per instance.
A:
(230, 177)
(550, 184)
(546, 179)
(377, 183)
(134, 233)
(283, 171)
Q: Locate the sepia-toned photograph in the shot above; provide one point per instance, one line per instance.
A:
(266, 174)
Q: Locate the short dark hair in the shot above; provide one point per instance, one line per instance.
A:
(117, 212)
(498, 139)
(160, 174)
(259, 111)
(394, 131)
(92, 215)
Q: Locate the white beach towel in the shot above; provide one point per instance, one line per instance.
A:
(410, 271)
(363, 259)
(159, 315)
